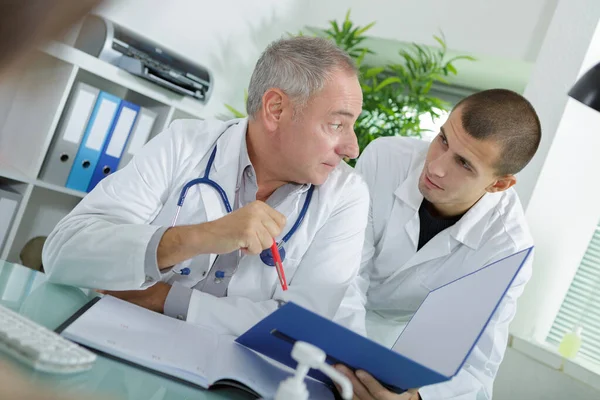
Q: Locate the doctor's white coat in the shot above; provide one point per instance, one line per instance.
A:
(395, 277)
(103, 242)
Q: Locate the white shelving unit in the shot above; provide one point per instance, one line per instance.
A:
(31, 105)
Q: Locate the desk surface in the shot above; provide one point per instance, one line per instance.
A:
(27, 292)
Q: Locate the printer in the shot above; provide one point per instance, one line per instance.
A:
(125, 49)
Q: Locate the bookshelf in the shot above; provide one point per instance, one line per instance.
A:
(31, 105)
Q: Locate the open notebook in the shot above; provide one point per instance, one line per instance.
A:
(181, 350)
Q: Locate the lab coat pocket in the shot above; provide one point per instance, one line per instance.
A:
(289, 268)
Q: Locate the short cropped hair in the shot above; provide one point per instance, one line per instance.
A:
(507, 118)
(299, 66)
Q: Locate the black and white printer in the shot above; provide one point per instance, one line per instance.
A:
(123, 48)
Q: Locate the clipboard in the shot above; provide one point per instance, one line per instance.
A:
(422, 355)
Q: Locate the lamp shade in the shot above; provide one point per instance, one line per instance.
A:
(587, 88)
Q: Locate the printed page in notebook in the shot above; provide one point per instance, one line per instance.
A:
(146, 338)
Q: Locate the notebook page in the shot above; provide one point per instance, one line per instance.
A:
(259, 373)
(154, 340)
(449, 322)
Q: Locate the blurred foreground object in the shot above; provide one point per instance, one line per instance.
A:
(26, 24)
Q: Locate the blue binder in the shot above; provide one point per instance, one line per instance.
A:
(115, 142)
(93, 140)
(465, 322)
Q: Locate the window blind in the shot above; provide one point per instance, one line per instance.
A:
(582, 304)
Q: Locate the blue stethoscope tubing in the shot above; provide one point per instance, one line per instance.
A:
(266, 256)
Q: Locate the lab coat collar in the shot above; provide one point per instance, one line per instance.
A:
(408, 191)
(470, 228)
(229, 144)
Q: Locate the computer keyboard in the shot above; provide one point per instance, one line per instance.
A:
(39, 347)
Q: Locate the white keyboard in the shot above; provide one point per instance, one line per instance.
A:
(39, 347)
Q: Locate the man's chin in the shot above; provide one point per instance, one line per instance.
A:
(426, 194)
(318, 179)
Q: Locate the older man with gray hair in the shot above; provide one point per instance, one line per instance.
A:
(183, 227)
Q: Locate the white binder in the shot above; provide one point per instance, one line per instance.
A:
(139, 136)
(9, 204)
(67, 136)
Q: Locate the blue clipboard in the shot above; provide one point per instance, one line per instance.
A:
(274, 335)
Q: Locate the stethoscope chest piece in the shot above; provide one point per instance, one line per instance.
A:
(267, 256)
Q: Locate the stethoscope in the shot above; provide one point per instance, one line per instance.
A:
(266, 256)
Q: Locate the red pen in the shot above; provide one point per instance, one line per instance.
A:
(278, 265)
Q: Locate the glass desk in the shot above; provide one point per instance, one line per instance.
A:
(28, 293)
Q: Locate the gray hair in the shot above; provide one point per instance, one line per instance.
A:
(299, 66)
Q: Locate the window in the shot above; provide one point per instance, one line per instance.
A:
(582, 304)
(450, 94)
(433, 125)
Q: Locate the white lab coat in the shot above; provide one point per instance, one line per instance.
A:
(103, 242)
(395, 277)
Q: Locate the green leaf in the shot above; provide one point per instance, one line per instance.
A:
(441, 79)
(330, 33)
(451, 68)
(371, 72)
(410, 64)
(352, 34)
(346, 27)
(335, 27)
(358, 40)
(347, 18)
(361, 56)
(366, 88)
(236, 113)
(427, 86)
(387, 82)
(469, 58)
(365, 28)
(440, 41)
(421, 52)
(398, 69)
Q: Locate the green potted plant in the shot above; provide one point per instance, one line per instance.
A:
(395, 96)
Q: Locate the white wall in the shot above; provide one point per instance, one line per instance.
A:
(227, 36)
(511, 28)
(521, 377)
(563, 197)
(556, 70)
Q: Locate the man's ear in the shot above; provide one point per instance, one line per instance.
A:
(503, 183)
(273, 104)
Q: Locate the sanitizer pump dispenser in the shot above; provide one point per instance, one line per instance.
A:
(309, 356)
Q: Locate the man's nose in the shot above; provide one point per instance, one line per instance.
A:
(349, 147)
